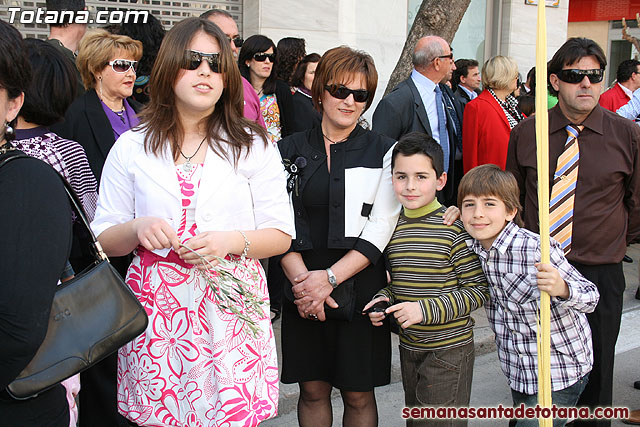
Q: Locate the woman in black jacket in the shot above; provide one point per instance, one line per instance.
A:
(257, 60)
(35, 225)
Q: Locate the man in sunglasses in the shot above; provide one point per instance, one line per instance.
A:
(418, 104)
(228, 25)
(598, 206)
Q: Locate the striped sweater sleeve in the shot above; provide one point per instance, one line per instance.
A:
(471, 294)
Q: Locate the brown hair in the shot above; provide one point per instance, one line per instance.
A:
(339, 65)
(96, 50)
(226, 124)
(490, 180)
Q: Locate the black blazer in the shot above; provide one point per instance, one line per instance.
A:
(402, 111)
(86, 123)
(285, 105)
(306, 116)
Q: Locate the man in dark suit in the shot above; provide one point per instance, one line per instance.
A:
(466, 80)
(420, 103)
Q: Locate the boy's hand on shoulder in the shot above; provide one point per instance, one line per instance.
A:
(406, 313)
(549, 280)
(376, 317)
(450, 215)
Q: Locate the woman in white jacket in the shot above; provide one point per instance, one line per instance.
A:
(195, 172)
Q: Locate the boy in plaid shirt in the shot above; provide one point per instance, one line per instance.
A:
(510, 256)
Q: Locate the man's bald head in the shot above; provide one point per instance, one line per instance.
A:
(226, 23)
(427, 49)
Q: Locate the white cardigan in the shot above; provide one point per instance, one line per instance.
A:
(137, 184)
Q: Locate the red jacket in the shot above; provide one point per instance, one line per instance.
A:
(485, 133)
(614, 98)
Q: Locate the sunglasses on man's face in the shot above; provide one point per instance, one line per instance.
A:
(121, 66)
(576, 76)
(236, 41)
(342, 92)
(193, 59)
(261, 57)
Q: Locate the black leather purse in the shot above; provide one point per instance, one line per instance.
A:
(92, 315)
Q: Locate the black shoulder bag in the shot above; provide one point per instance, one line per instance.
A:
(92, 315)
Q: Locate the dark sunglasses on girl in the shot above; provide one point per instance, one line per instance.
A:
(193, 59)
(123, 65)
(576, 76)
(342, 92)
(261, 57)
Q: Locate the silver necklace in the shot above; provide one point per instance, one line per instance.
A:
(187, 166)
(332, 141)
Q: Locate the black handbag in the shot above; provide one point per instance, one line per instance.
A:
(92, 315)
(344, 295)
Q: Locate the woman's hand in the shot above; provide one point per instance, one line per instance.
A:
(209, 245)
(450, 215)
(312, 290)
(155, 233)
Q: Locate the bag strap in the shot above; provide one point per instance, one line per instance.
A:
(73, 198)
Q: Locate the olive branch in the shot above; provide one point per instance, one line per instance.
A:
(231, 293)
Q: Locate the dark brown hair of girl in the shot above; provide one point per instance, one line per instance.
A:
(228, 131)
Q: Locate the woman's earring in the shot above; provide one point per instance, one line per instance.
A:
(9, 132)
(100, 84)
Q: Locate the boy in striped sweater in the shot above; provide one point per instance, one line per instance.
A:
(436, 282)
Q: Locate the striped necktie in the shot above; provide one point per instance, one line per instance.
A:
(564, 190)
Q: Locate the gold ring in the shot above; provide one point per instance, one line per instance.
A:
(302, 293)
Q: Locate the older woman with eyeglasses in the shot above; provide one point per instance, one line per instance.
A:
(257, 61)
(345, 213)
(107, 64)
(489, 118)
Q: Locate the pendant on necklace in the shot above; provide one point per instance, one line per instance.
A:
(187, 166)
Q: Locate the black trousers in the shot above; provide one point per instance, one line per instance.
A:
(605, 326)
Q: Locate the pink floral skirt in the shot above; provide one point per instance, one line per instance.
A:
(196, 365)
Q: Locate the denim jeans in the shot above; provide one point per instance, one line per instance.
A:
(440, 378)
(567, 398)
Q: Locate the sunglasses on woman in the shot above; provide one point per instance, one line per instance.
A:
(342, 92)
(122, 65)
(576, 76)
(261, 57)
(193, 59)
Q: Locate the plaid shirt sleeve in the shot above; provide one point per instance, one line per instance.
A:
(583, 294)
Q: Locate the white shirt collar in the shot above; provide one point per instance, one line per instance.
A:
(472, 94)
(626, 90)
(423, 83)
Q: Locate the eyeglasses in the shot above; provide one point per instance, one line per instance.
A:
(193, 59)
(450, 56)
(576, 76)
(237, 41)
(261, 57)
(342, 92)
(121, 66)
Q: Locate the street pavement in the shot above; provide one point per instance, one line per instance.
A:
(489, 384)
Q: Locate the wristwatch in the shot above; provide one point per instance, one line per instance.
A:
(333, 281)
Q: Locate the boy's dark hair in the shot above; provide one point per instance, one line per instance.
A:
(53, 87)
(571, 52)
(490, 180)
(420, 143)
